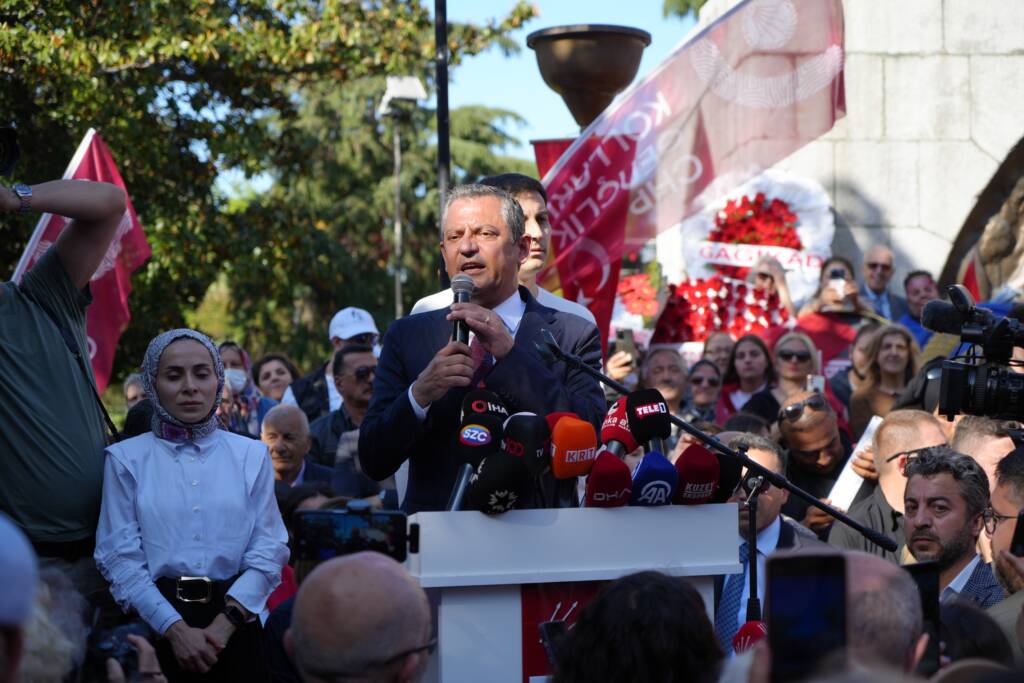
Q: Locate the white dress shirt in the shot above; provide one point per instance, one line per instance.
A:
(203, 508)
(956, 586)
(443, 299)
(767, 542)
(511, 312)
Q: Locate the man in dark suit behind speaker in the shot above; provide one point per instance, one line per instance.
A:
(423, 376)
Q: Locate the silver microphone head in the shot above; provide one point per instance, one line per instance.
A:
(463, 283)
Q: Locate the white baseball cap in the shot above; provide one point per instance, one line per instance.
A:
(18, 567)
(349, 322)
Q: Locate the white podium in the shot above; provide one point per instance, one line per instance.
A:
(476, 564)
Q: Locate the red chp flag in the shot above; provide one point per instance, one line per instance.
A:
(108, 315)
(749, 90)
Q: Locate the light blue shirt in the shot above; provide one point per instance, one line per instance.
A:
(511, 312)
(203, 508)
(956, 586)
(767, 542)
(880, 302)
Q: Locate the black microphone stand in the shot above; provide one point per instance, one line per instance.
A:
(753, 604)
(550, 349)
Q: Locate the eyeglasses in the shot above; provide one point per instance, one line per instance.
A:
(710, 381)
(885, 267)
(363, 373)
(993, 518)
(911, 454)
(328, 675)
(798, 356)
(793, 412)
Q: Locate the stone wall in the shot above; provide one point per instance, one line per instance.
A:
(935, 100)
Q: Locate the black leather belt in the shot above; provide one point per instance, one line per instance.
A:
(194, 589)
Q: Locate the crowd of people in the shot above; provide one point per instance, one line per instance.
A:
(168, 551)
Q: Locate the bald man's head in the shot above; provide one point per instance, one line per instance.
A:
(884, 617)
(900, 432)
(877, 268)
(363, 616)
(285, 431)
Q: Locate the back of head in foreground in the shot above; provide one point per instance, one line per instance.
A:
(645, 627)
(360, 617)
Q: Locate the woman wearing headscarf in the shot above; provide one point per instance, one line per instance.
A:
(190, 536)
(242, 406)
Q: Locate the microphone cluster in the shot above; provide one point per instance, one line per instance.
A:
(507, 453)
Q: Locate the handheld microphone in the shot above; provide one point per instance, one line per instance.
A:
(462, 288)
(647, 414)
(610, 483)
(479, 436)
(654, 481)
(699, 473)
(459, 490)
(500, 484)
(483, 402)
(573, 447)
(749, 635)
(527, 436)
(615, 434)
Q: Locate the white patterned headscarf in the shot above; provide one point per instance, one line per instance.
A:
(165, 425)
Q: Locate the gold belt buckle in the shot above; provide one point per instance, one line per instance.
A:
(194, 579)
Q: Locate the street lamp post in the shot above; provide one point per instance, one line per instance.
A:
(400, 89)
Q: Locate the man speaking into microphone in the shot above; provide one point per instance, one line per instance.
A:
(423, 375)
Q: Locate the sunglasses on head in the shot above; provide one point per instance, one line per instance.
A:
(798, 356)
(792, 413)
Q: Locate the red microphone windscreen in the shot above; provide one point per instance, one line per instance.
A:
(749, 635)
(610, 484)
(699, 473)
(616, 427)
(573, 448)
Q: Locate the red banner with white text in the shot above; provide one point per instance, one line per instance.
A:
(108, 315)
(749, 90)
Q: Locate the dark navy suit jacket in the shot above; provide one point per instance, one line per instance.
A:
(391, 433)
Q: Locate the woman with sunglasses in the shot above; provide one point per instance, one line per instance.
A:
(795, 358)
(769, 276)
(749, 371)
(844, 383)
(703, 383)
(893, 360)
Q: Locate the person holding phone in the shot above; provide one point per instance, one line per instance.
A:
(837, 290)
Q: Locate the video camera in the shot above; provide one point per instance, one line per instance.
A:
(977, 385)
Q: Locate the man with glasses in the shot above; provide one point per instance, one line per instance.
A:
(1000, 525)
(944, 511)
(877, 271)
(895, 441)
(360, 617)
(316, 393)
(335, 436)
(817, 452)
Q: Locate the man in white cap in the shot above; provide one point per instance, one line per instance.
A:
(315, 393)
(17, 591)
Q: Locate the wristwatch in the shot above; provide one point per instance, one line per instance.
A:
(24, 193)
(235, 616)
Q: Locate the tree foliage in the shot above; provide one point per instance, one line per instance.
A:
(681, 8)
(182, 90)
